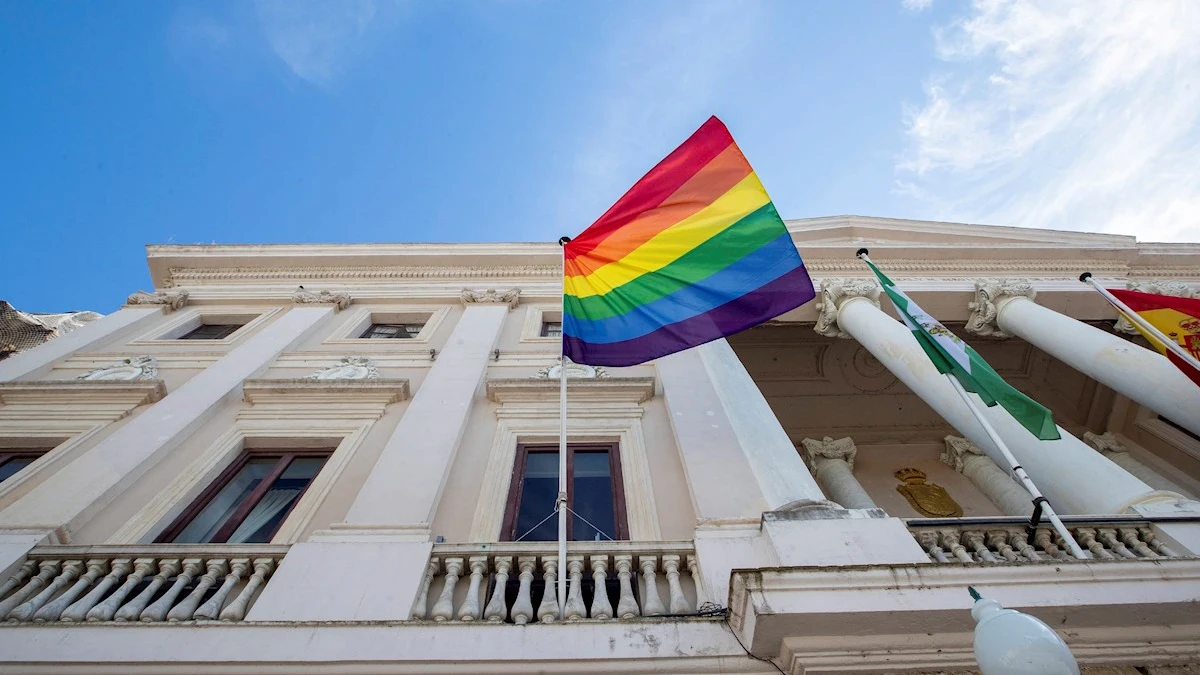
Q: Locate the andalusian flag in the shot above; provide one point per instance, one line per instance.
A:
(693, 252)
(1176, 318)
(952, 356)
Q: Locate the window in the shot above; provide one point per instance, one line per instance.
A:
(392, 331)
(596, 497)
(551, 329)
(13, 460)
(249, 500)
(211, 331)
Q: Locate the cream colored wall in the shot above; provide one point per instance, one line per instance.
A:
(676, 516)
(461, 494)
(875, 468)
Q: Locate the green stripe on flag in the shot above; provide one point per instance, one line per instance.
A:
(952, 356)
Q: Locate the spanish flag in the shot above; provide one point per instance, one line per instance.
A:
(1176, 318)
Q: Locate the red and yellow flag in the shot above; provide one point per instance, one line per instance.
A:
(1175, 317)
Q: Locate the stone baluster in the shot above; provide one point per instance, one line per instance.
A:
(107, 609)
(1129, 535)
(497, 608)
(26, 610)
(236, 611)
(1044, 538)
(1109, 537)
(653, 603)
(78, 611)
(627, 607)
(443, 609)
(693, 569)
(1020, 541)
(53, 609)
(157, 611)
(211, 609)
(132, 610)
(601, 606)
(1086, 536)
(928, 539)
(421, 603)
(950, 542)
(184, 610)
(575, 609)
(832, 464)
(1160, 548)
(975, 540)
(522, 609)
(470, 610)
(49, 570)
(678, 603)
(19, 577)
(548, 609)
(998, 540)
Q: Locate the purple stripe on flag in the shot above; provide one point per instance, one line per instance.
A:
(783, 294)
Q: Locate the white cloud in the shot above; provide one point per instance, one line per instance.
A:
(916, 5)
(1075, 114)
(318, 39)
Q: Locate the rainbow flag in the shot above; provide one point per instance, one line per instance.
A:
(694, 251)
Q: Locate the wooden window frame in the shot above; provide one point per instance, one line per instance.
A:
(231, 524)
(508, 533)
(410, 335)
(233, 328)
(9, 454)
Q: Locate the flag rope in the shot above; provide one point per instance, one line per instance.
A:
(560, 504)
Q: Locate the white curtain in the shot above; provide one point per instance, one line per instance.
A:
(271, 505)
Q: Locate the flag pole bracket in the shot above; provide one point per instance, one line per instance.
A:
(861, 252)
(1035, 518)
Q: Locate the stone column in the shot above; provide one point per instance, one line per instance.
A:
(141, 309)
(1108, 445)
(83, 487)
(1003, 308)
(1071, 475)
(832, 462)
(993, 481)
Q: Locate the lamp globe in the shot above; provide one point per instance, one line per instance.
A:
(1008, 642)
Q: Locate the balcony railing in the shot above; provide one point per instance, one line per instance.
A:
(515, 582)
(1006, 540)
(169, 582)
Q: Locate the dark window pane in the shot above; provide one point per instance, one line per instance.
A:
(13, 465)
(593, 498)
(539, 489)
(552, 329)
(211, 331)
(268, 514)
(219, 509)
(392, 331)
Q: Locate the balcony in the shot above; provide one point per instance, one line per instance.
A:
(1006, 540)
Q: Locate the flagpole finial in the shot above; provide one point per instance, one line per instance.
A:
(1085, 276)
(861, 252)
(563, 241)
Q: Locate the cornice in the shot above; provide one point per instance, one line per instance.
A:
(186, 276)
(62, 392)
(268, 391)
(525, 390)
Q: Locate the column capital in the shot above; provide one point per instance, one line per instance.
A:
(510, 297)
(828, 448)
(303, 296)
(170, 300)
(835, 293)
(958, 450)
(1104, 443)
(1156, 287)
(990, 296)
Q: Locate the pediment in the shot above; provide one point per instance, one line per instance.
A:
(846, 231)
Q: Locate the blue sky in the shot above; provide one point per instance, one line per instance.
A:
(128, 123)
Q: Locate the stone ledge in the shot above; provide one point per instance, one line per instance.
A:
(82, 391)
(261, 391)
(625, 389)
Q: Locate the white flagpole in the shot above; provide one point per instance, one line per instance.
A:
(561, 503)
(1040, 504)
(1136, 318)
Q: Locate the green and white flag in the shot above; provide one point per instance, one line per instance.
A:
(952, 356)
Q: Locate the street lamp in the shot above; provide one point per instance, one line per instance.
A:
(1008, 642)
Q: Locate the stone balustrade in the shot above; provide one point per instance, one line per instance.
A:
(163, 582)
(1006, 540)
(516, 582)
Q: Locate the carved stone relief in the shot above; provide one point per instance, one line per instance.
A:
(833, 293)
(574, 371)
(349, 368)
(170, 300)
(510, 297)
(985, 307)
(134, 368)
(303, 296)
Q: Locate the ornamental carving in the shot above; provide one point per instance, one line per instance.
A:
(303, 296)
(510, 297)
(827, 448)
(170, 300)
(1157, 287)
(928, 499)
(985, 308)
(134, 368)
(348, 368)
(1106, 442)
(957, 451)
(574, 371)
(834, 292)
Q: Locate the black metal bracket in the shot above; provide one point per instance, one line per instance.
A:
(1036, 517)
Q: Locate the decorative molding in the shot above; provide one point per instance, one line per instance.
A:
(132, 368)
(303, 296)
(632, 390)
(834, 292)
(828, 448)
(72, 398)
(182, 276)
(491, 296)
(956, 451)
(305, 398)
(575, 371)
(1156, 287)
(348, 368)
(170, 300)
(990, 295)
(348, 332)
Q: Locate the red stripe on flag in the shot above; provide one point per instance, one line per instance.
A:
(1141, 302)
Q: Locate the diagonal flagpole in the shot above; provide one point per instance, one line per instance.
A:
(1137, 320)
(561, 504)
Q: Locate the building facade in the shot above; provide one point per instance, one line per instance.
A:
(343, 458)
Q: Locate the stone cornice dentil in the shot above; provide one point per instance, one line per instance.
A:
(510, 297)
(957, 450)
(303, 296)
(170, 300)
(990, 294)
(1105, 443)
(828, 448)
(1156, 287)
(833, 293)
